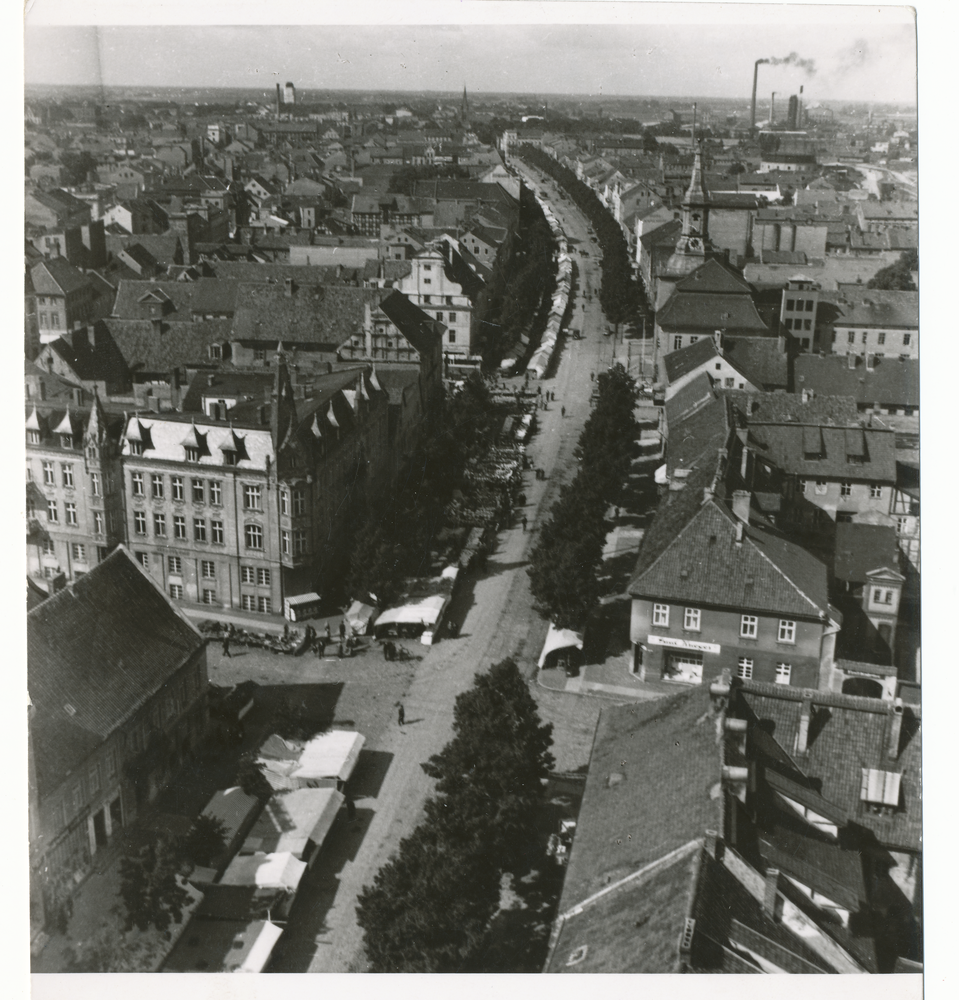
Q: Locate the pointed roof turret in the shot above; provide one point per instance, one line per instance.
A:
(696, 192)
(96, 432)
(283, 418)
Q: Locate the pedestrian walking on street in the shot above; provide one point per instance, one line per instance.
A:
(524, 522)
(401, 715)
(562, 410)
(342, 629)
(592, 376)
(329, 634)
(386, 651)
(226, 647)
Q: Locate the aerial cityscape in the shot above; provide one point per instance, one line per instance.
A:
(472, 496)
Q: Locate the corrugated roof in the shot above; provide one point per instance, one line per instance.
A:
(103, 646)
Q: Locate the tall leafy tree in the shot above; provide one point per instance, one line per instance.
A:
(430, 906)
(150, 890)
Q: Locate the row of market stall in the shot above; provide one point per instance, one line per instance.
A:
(250, 887)
(541, 358)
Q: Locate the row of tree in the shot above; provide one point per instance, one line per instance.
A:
(565, 566)
(430, 906)
(619, 295)
(393, 530)
(521, 281)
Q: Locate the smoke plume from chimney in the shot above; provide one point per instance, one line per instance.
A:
(793, 59)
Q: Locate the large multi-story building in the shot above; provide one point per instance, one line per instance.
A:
(244, 505)
(74, 485)
(712, 592)
(117, 680)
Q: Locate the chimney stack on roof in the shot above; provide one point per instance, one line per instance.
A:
(741, 500)
(895, 730)
(851, 361)
(739, 533)
(802, 738)
(770, 892)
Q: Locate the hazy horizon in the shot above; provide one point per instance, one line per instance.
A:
(867, 60)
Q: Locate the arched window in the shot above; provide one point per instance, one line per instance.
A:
(253, 534)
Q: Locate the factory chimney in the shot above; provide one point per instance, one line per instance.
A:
(772, 109)
(799, 110)
(752, 116)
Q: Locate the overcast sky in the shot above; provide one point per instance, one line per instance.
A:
(865, 53)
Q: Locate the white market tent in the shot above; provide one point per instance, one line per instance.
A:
(423, 612)
(328, 757)
(360, 616)
(268, 871)
(559, 638)
(259, 953)
(293, 821)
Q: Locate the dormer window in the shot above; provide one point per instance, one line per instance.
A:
(136, 447)
(216, 352)
(880, 790)
(192, 454)
(66, 441)
(33, 437)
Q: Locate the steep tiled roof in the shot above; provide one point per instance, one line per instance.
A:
(57, 276)
(697, 424)
(875, 307)
(650, 790)
(782, 407)
(785, 446)
(760, 359)
(636, 926)
(689, 358)
(890, 380)
(705, 565)
(849, 734)
(144, 349)
(103, 647)
(710, 299)
(861, 548)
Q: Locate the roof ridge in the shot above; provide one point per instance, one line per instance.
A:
(780, 570)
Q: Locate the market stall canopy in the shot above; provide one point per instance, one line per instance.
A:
(360, 616)
(269, 871)
(559, 638)
(259, 954)
(423, 612)
(292, 820)
(330, 755)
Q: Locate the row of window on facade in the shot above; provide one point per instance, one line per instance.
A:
(67, 477)
(748, 627)
(292, 502)
(880, 337)
(820, 486)
(745, 665)
(292, 542)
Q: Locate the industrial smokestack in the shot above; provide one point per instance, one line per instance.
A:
(799, 109)
(752, 116)
(772, 109)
